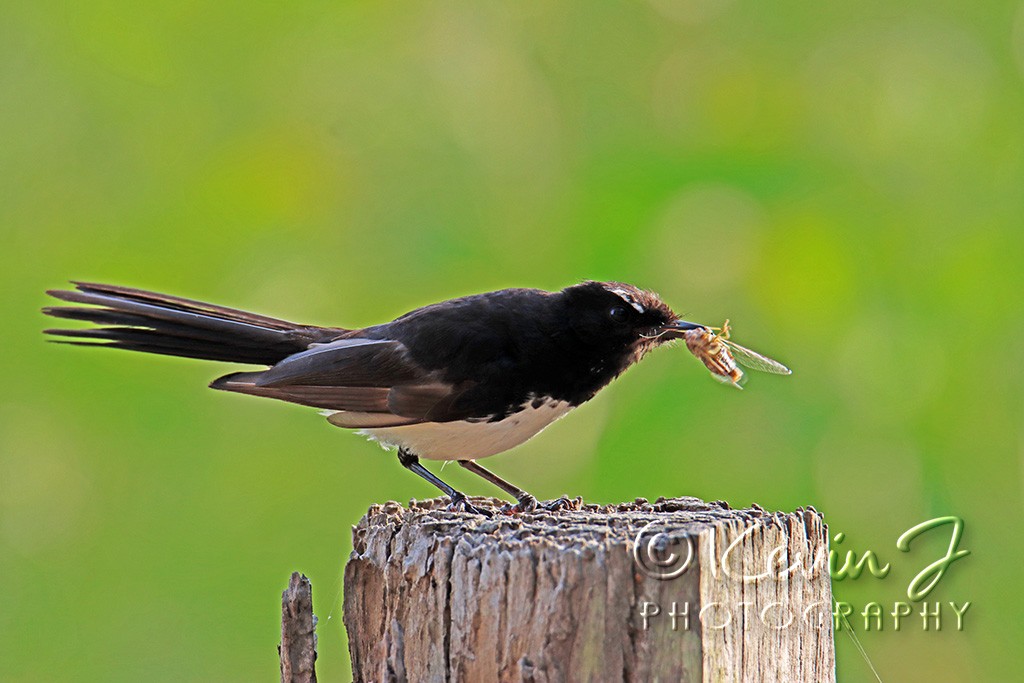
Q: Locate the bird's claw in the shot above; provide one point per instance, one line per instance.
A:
(562, 503)
(529, 504)
(526, 503)
(459, 503)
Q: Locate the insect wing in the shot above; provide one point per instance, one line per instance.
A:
(755, 361)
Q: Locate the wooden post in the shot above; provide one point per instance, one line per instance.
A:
(297, 650)
(676, 590)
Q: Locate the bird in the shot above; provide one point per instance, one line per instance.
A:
(462, 379)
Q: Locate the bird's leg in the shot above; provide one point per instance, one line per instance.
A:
(459, 500)
(525, 502)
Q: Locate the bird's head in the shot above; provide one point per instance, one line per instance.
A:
(620, 316)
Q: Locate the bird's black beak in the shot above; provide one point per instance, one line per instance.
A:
(677, 328)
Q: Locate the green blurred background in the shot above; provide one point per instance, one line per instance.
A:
(843, 180)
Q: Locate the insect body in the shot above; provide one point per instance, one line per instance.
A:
(721, 355)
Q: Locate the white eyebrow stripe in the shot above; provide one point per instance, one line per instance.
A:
(628, 299)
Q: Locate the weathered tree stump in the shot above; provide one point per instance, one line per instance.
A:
(676, 590)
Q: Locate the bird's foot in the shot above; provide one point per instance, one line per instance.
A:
(459, 503)
(562, 503)
(528, 503)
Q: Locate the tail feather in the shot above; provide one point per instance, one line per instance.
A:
(111, 317)
(183, 304)
(144, 321)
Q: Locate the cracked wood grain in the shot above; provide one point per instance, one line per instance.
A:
(434, 595)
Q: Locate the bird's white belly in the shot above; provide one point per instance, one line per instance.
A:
(461, 440)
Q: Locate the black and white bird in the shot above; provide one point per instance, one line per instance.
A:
(458, 380)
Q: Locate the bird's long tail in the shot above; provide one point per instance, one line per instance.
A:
(157, 323)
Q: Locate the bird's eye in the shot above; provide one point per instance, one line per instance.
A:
(618, 314)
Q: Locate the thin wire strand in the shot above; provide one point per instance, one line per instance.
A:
(856, 642)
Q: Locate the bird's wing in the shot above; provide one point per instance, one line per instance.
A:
(374, 382)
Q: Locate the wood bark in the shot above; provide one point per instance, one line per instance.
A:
(298, 632)
(675, 590)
